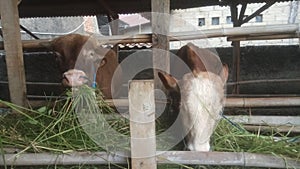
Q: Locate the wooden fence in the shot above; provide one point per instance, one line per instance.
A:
(143, 149)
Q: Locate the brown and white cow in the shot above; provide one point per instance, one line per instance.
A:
(201, 94)
(92, 63)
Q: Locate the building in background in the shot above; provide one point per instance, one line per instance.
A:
(214, 17)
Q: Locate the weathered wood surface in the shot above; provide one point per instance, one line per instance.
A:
(160, 20)
(142, 124)
(13, 50)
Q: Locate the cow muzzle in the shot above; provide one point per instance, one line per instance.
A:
(74, 78)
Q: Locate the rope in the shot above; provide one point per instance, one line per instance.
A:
(232, 123)
(94, 84)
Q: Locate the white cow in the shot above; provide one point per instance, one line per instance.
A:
(201, 93)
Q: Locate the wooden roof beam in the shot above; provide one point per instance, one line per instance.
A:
(242, 13)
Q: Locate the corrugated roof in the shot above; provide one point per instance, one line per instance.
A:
(54, 8)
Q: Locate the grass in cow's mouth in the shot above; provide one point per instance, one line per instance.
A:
(46, 129)
(58, 129)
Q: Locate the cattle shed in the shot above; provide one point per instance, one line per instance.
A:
(12, 10)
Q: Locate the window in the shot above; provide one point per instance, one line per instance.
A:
(259, 18)
(215, 20)
(228, 20)
(201, 21)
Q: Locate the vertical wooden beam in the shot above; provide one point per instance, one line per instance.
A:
(236, 49)
(160, 39)
(160, 45)
(114, 25)
(142, 124)
(13, 51)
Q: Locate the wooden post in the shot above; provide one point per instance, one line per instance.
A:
(142, 124)
(114, 25)
(13, 49)
(160, 39)
(160, 45)
(236, 49)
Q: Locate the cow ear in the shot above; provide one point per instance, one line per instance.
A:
(225, 72)
(103, 62)
(168, 81)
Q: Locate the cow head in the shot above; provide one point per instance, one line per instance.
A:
(201, 93)
(82, 60)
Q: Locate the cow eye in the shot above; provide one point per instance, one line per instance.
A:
(92, 53)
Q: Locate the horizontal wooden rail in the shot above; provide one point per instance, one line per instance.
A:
(230, 102)
(37, 83)
(244, 82)
(281, 124)
(266, 120)
(168, 157)
(263, 102)
(236, 102)
(263, 37)
(241, 33)
(273, 129)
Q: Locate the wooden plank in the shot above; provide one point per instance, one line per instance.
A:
(236, 47)
(13, 50)
(160, 36)
(168, 157)
(142, 124)
(160, 21)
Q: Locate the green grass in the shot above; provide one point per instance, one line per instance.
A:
(228, 138)
(57, 129)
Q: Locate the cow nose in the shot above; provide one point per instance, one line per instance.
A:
(65, 77)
